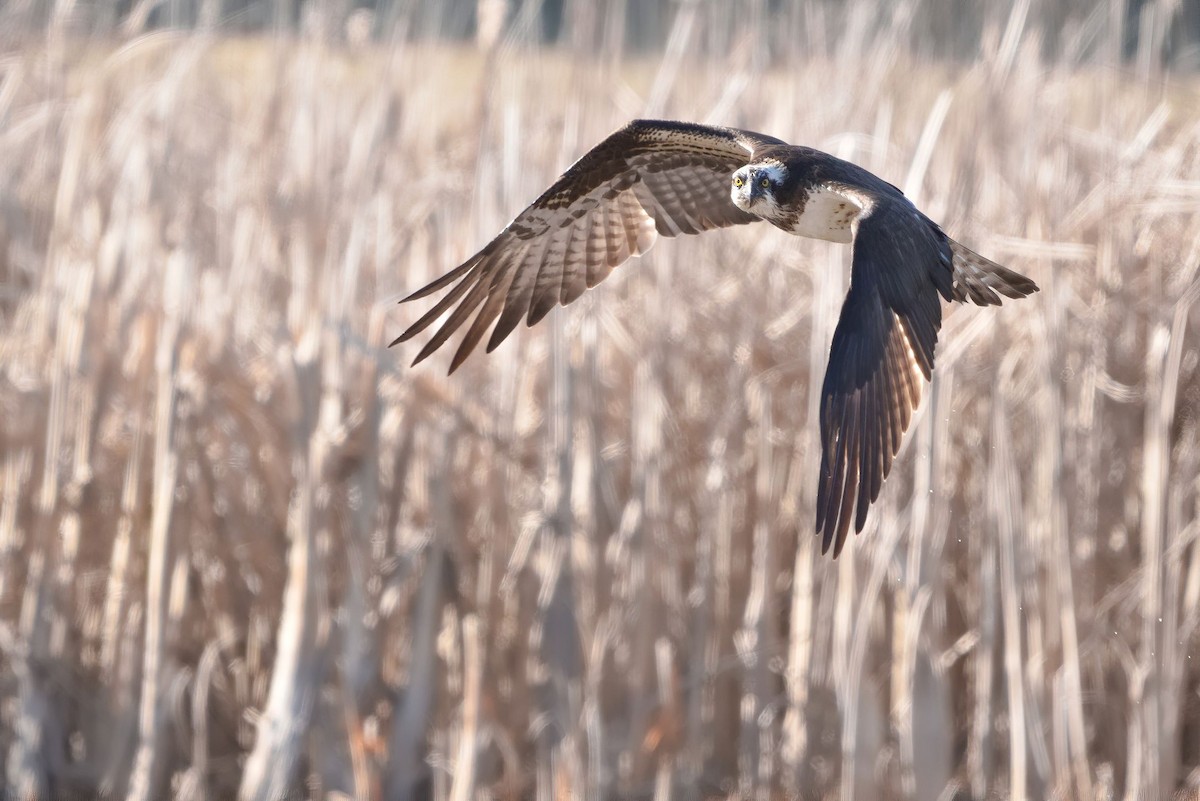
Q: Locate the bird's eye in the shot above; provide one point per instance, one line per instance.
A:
(737, 181)
(764, 183)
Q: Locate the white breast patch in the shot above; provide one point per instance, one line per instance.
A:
(827, 215)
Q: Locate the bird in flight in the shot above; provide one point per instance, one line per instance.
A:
(664, 178)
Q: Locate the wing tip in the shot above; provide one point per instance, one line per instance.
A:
(833, 535)
(836, 533)
(428, 350)
(538, 310)
(826, 541)
(460, 356)
(494, 340)
(407, 334)
(981, 280)
(424, 291)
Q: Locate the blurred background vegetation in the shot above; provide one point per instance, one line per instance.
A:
(245, 552)
(1166, 32)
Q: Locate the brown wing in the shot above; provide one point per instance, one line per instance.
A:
(649, 178)
(882, 348)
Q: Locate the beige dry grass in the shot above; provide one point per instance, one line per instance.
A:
(244, 549)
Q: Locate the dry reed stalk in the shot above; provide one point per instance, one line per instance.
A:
(554, 639)
(1158, 713)
(303, 628)
(1062, 585)
(755, 640)
(405, 762)
(980, 751)
(668, 705)
(149, 775)
(194, 786)
(463, 785)
(17, 467)
(1003, 504)
(26, 771)
(794, 745)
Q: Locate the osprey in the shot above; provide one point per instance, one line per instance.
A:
(667, 178)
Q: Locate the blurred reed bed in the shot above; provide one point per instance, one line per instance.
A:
(246, 552)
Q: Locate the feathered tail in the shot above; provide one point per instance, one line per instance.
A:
(978, 279)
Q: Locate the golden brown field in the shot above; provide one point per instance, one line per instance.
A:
(245, 551)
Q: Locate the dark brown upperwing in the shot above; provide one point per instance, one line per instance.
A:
(651, 177)
(882, 349)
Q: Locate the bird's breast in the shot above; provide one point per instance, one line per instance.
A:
(820, 213)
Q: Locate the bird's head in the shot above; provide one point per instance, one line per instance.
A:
(754, 188)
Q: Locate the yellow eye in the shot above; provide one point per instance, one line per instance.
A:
(764, 183)
(737, 181)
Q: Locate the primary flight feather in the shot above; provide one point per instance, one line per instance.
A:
(656, 177)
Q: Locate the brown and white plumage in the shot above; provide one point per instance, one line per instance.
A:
(642, 181)
(667, 178)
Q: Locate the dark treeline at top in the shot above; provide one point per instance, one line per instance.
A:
(1153, 33)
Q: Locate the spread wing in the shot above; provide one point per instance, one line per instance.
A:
(649, 178)
(882, 349)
